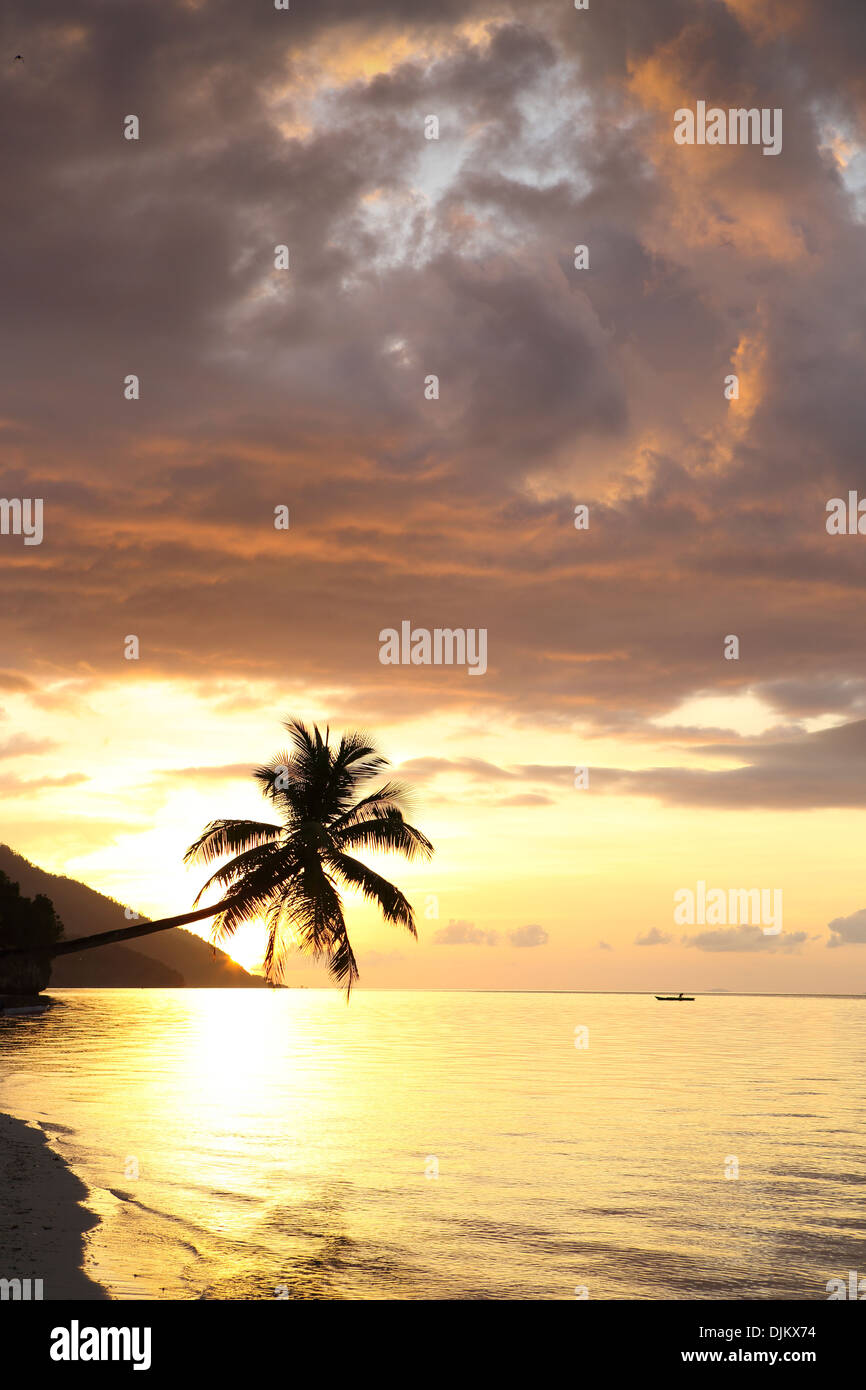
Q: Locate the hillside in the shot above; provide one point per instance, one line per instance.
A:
(170, 959)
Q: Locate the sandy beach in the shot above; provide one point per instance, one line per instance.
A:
(42, 1218)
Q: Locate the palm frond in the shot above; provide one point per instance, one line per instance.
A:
(358, 757)
(389, 833)
(394, 905)
(390, 796)
(251, 896)
(315, 914)
(244, 864)
(223, 837)
(342, 964)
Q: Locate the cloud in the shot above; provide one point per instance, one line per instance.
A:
(15, 786)
(382, 957)
(464, 934)
(426, 769)
(848, 931)
(459, 933)
(20, 746)
(653, 937)
(526, 799)
(826, 768)
(746, 938)
(799, 770)
(556, 383)
(604, 946)
(222, 772)
(532, 935)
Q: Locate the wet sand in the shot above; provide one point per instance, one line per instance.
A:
(42, 1219)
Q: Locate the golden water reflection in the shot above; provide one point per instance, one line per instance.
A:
(242, 1142)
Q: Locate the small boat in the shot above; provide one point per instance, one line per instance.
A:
(675, 998)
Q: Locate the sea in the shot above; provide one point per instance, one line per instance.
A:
(273, 1144)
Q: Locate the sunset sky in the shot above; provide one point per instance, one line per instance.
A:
(559, 386)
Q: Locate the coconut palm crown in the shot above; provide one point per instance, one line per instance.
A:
(290, 874)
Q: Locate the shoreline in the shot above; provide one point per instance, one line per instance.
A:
(43, 1220)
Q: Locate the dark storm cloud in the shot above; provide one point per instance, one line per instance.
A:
(557, 386)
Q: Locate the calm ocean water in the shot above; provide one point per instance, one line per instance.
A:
(240, 1143)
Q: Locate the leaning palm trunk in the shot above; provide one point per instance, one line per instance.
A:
(121, 934)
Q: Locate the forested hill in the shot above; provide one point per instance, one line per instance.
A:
(170, 958)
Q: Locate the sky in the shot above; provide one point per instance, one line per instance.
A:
(605, 386)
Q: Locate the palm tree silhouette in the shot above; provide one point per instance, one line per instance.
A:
(289, 873)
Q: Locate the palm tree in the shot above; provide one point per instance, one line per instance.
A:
(290, 872)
